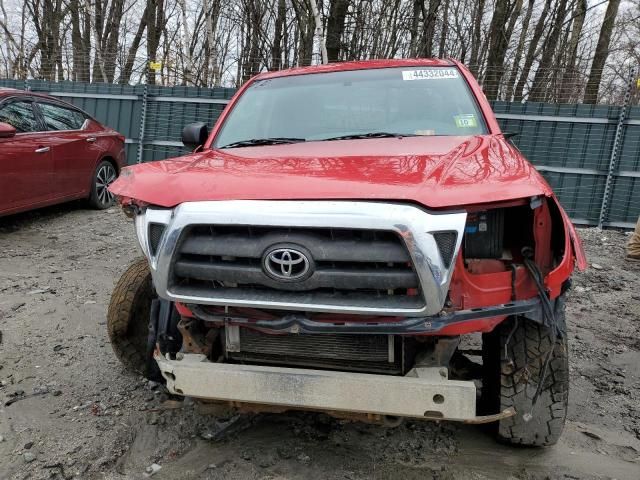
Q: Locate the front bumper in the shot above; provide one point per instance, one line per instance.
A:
(424, 393)
(296, 323)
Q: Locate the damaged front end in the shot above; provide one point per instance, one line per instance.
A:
(224, 330)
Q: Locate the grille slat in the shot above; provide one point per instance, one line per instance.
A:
(332, 250)
(350, 267)
(247, 295)
(349, 279)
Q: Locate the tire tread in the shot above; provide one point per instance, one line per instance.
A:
(133, 287)
(512, 379)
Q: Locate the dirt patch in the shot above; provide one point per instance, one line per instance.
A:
(68, 410)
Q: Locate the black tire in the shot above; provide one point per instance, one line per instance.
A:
(128, 316)
(514, 355)
(104, 175)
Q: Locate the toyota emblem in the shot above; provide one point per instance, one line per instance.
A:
(287, 264)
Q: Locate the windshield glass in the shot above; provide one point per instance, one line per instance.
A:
(324, 106)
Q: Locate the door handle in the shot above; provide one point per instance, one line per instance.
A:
(42, 149)
(91, 139)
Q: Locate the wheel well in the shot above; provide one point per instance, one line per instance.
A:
(109, 159)
(112, 161)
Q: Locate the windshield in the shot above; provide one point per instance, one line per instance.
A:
(353, 104)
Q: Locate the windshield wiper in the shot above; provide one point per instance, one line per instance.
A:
(264, 141)
(356, 136)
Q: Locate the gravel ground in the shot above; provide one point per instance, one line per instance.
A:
(68, 410)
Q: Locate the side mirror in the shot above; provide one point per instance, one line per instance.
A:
(195, 135)
(509, 135)
(6, 130)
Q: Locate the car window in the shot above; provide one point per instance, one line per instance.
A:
(61, 118)
(20, 115)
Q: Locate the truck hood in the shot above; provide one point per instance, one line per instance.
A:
(436, 172)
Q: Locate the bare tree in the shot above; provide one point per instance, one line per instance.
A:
(155, 22)
(499, 36)
(335, 28)
(601, 53)
(519, 49)
(531, 51)
(545, 70)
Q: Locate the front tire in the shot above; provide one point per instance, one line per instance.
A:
(514, 356)
(128, 317)
(105, 174)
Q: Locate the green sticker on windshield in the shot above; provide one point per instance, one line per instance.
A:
(467, 120)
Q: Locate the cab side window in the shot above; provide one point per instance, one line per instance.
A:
(61, 118)
(20, 115)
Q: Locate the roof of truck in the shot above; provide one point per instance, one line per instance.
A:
(360, 65)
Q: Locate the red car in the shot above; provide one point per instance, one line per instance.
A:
(52, 152)
(356, 238)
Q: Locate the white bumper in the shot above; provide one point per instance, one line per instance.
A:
(424, 393)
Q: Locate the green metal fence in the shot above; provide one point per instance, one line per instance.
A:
(590, 154)
(573, 147)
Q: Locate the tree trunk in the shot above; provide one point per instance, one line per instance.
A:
(429, 16)
(155, 25)
(81, 56)
(318, 30)
(546, 69)
(569, 84)
(96, 32)
(601, 53)
(305, 23)
(335, 28)
(418, 6)
(519, 50)
(47, 19)
(516, 10)
(276, 49)
(187, 77)
(475, 39)
(531, 51)
(127, 70)
(443, 33)
(110, 43)
(498, 43)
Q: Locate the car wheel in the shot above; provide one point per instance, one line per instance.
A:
(129, 315)
(514, 357)
(104, 176)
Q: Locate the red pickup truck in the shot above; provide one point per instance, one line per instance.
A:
(355, 238)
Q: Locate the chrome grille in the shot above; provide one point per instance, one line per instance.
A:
(176, 279)
(349, 265)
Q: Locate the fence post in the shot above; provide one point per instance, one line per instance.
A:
(143, 121)
(604, 208)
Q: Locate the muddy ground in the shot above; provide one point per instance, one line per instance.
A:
(68, 410)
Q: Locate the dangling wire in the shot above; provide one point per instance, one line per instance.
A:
(506, 344)
(548, 313)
